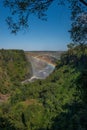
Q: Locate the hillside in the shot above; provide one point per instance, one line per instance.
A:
(13, 69)
(55, 103)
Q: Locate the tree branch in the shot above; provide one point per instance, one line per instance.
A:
(84, 2)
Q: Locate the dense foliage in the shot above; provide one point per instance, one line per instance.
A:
(13, 68)
(56, 103)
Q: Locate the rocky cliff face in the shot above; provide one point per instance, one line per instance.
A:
(48, 56)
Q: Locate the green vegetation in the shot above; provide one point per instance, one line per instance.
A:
(56, 103)
(13, 69)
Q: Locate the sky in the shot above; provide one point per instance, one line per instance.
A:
(50, 35)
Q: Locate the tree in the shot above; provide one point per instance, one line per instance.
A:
(22, 9)
(84, 2)
(79, 22)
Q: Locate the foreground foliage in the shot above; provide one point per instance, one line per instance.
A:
(56, 103)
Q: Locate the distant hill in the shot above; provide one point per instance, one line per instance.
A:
(55, 54)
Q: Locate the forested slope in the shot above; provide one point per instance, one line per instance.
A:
(56, 103)
(13, 69)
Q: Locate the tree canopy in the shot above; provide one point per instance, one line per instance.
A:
(79, 22)
(22, 9)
